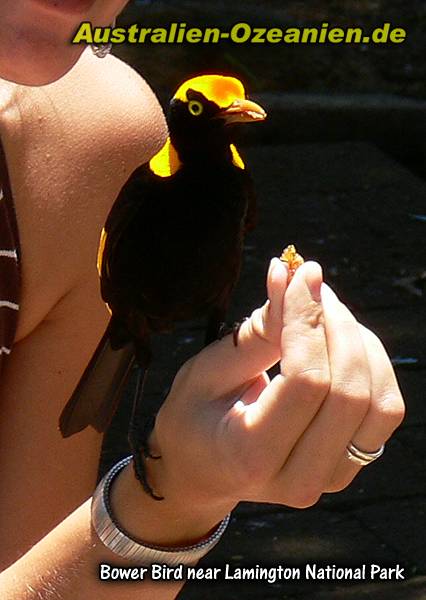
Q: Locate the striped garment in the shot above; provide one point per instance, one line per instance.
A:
(10, 275)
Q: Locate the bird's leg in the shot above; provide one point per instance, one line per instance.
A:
(138, 437)
(147, 428)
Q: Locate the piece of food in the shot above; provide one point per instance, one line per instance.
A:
(293, 260)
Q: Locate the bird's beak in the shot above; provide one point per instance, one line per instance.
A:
(242, 111)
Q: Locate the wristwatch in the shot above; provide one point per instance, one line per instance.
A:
(119, 541)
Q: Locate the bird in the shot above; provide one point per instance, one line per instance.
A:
(171, 248)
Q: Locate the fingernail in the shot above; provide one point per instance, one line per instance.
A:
(274, 265)
(314, 280)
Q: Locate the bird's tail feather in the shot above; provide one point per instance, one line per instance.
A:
(99, 390)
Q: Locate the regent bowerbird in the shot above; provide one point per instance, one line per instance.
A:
(171, 248)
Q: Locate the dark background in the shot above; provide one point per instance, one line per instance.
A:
(324, 68)
(339, 169)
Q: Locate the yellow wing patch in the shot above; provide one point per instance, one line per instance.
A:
(101, 249)
(236, 158)
(100, 258)
(217, 88)
(166, 162)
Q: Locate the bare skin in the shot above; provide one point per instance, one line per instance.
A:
(58, 140)
(39, 32)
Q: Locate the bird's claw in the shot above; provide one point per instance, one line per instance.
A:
(234, 329)
(141, 452)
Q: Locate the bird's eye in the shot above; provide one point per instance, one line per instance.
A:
(195, 108)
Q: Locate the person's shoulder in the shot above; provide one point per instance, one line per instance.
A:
(118, 75)
(118, 81)
(98, 102)
(119, 104)
(83, 136)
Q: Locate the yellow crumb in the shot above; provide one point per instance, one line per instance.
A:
(293, 260)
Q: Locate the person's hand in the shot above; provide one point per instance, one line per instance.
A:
(226, 433)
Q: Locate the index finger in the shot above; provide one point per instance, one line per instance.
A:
(272, 425)
(305, 371)
(303, 339)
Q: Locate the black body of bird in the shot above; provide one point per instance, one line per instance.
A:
(172, 245)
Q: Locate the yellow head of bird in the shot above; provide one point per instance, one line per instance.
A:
(199, 115)
(227, 93)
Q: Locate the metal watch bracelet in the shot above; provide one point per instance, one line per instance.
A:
(116, 539)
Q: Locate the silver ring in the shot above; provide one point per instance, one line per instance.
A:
(363, 458)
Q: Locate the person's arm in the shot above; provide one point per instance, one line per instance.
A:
(226, 433)
(70, 147)
(64, 565)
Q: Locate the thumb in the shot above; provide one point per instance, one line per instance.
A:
(222, 366)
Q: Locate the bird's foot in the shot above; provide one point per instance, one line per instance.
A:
(140, 473)
(141, 452)
(234, 329)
